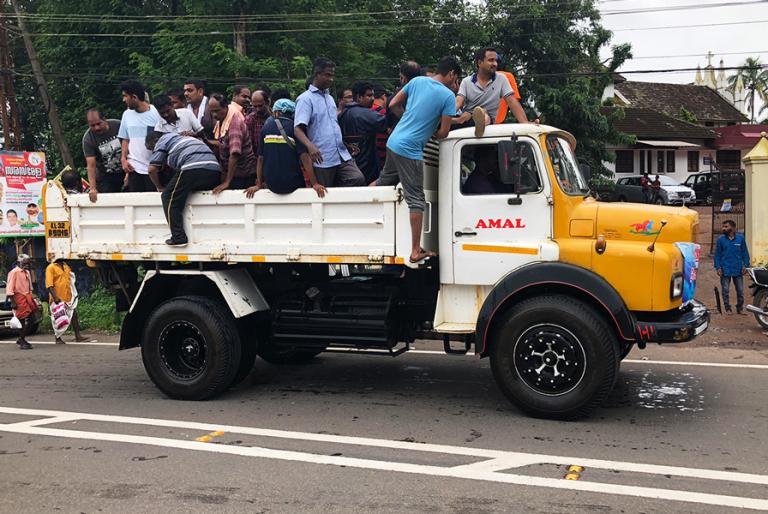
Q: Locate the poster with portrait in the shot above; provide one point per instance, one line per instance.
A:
(22, 177)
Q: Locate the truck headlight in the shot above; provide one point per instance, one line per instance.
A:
(676, 287)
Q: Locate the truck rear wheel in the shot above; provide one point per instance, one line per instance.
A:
(191, 348)
(554, 357)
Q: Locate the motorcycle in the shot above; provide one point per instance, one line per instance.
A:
(759, 287)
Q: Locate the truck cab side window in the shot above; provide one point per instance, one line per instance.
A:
(480, 171)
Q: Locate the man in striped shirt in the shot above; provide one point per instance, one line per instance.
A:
(195, 168)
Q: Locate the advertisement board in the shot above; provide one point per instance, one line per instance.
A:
(22, 177)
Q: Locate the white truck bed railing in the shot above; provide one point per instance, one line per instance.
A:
(352, 225)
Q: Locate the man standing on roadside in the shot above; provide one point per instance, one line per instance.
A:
(139, 120)
(103, 151)
(431, 105)
(19, 290)
(731, 263)
(197, 102)
(58, 282)
(484, 89)
(645, 184)
(359, 126)
(318, 130)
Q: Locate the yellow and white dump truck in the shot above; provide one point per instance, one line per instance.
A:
(550, 284)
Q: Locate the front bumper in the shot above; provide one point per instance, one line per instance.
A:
(677, 326)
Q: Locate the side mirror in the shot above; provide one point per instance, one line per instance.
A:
(509, 163)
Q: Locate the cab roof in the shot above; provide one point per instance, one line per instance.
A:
(508, 129)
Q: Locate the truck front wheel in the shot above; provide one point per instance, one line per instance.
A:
(191, 348)
(554, 357)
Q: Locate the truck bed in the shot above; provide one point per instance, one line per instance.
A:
(350, 225)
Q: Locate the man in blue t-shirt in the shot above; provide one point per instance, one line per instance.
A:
(431, 104)
(731, 262)
(281, 157)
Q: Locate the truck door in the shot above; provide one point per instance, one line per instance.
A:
(493, 230)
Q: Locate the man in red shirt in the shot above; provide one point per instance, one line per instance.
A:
(19, 290)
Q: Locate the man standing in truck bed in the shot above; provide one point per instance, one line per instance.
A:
(431, 104)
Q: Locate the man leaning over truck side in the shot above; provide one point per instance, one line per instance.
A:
(103, 152)
(431, 105)
(195, 169)
(318, 129)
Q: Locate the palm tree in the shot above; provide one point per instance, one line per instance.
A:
(754, 77)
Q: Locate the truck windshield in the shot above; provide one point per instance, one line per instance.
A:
(565, 166)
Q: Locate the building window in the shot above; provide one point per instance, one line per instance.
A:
(625, 161)
(693, 162)
(670, 161)
(642, 161)
(660, 161)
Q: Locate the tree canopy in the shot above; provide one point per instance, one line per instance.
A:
(552, 46)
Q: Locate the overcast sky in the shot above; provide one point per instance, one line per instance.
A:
(720, 40)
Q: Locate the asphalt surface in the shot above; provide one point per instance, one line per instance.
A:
(82, 429)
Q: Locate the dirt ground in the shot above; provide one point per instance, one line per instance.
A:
(729, 331)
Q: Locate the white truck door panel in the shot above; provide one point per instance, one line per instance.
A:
(492, 237)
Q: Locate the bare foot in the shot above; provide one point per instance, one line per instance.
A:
(80, 339)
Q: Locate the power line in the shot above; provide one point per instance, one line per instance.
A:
(363, 28)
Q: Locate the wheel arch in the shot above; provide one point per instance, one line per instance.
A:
(559, 278)
(235, 288)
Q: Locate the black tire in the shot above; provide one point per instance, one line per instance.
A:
(709, 200)
(250, 345)
(191, 348)
(622, 198)
(761, 301)
(625, 351)
(659, 201)
(280, 356)
(577, 335)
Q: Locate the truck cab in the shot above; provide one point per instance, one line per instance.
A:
(552, 285)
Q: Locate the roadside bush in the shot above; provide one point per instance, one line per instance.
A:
(96, 311)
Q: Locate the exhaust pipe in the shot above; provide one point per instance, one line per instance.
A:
(757, 310)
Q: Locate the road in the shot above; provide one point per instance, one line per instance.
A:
(83, 430)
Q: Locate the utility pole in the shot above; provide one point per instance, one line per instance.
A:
(50, 107)
(239, 31)
(8, 109)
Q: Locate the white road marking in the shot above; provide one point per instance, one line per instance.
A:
(488, 469)
(72, 343)
(472, 354)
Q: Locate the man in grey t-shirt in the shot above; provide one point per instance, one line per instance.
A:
(102, 151)
(483, 90)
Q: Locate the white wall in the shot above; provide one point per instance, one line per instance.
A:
(681, 162)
